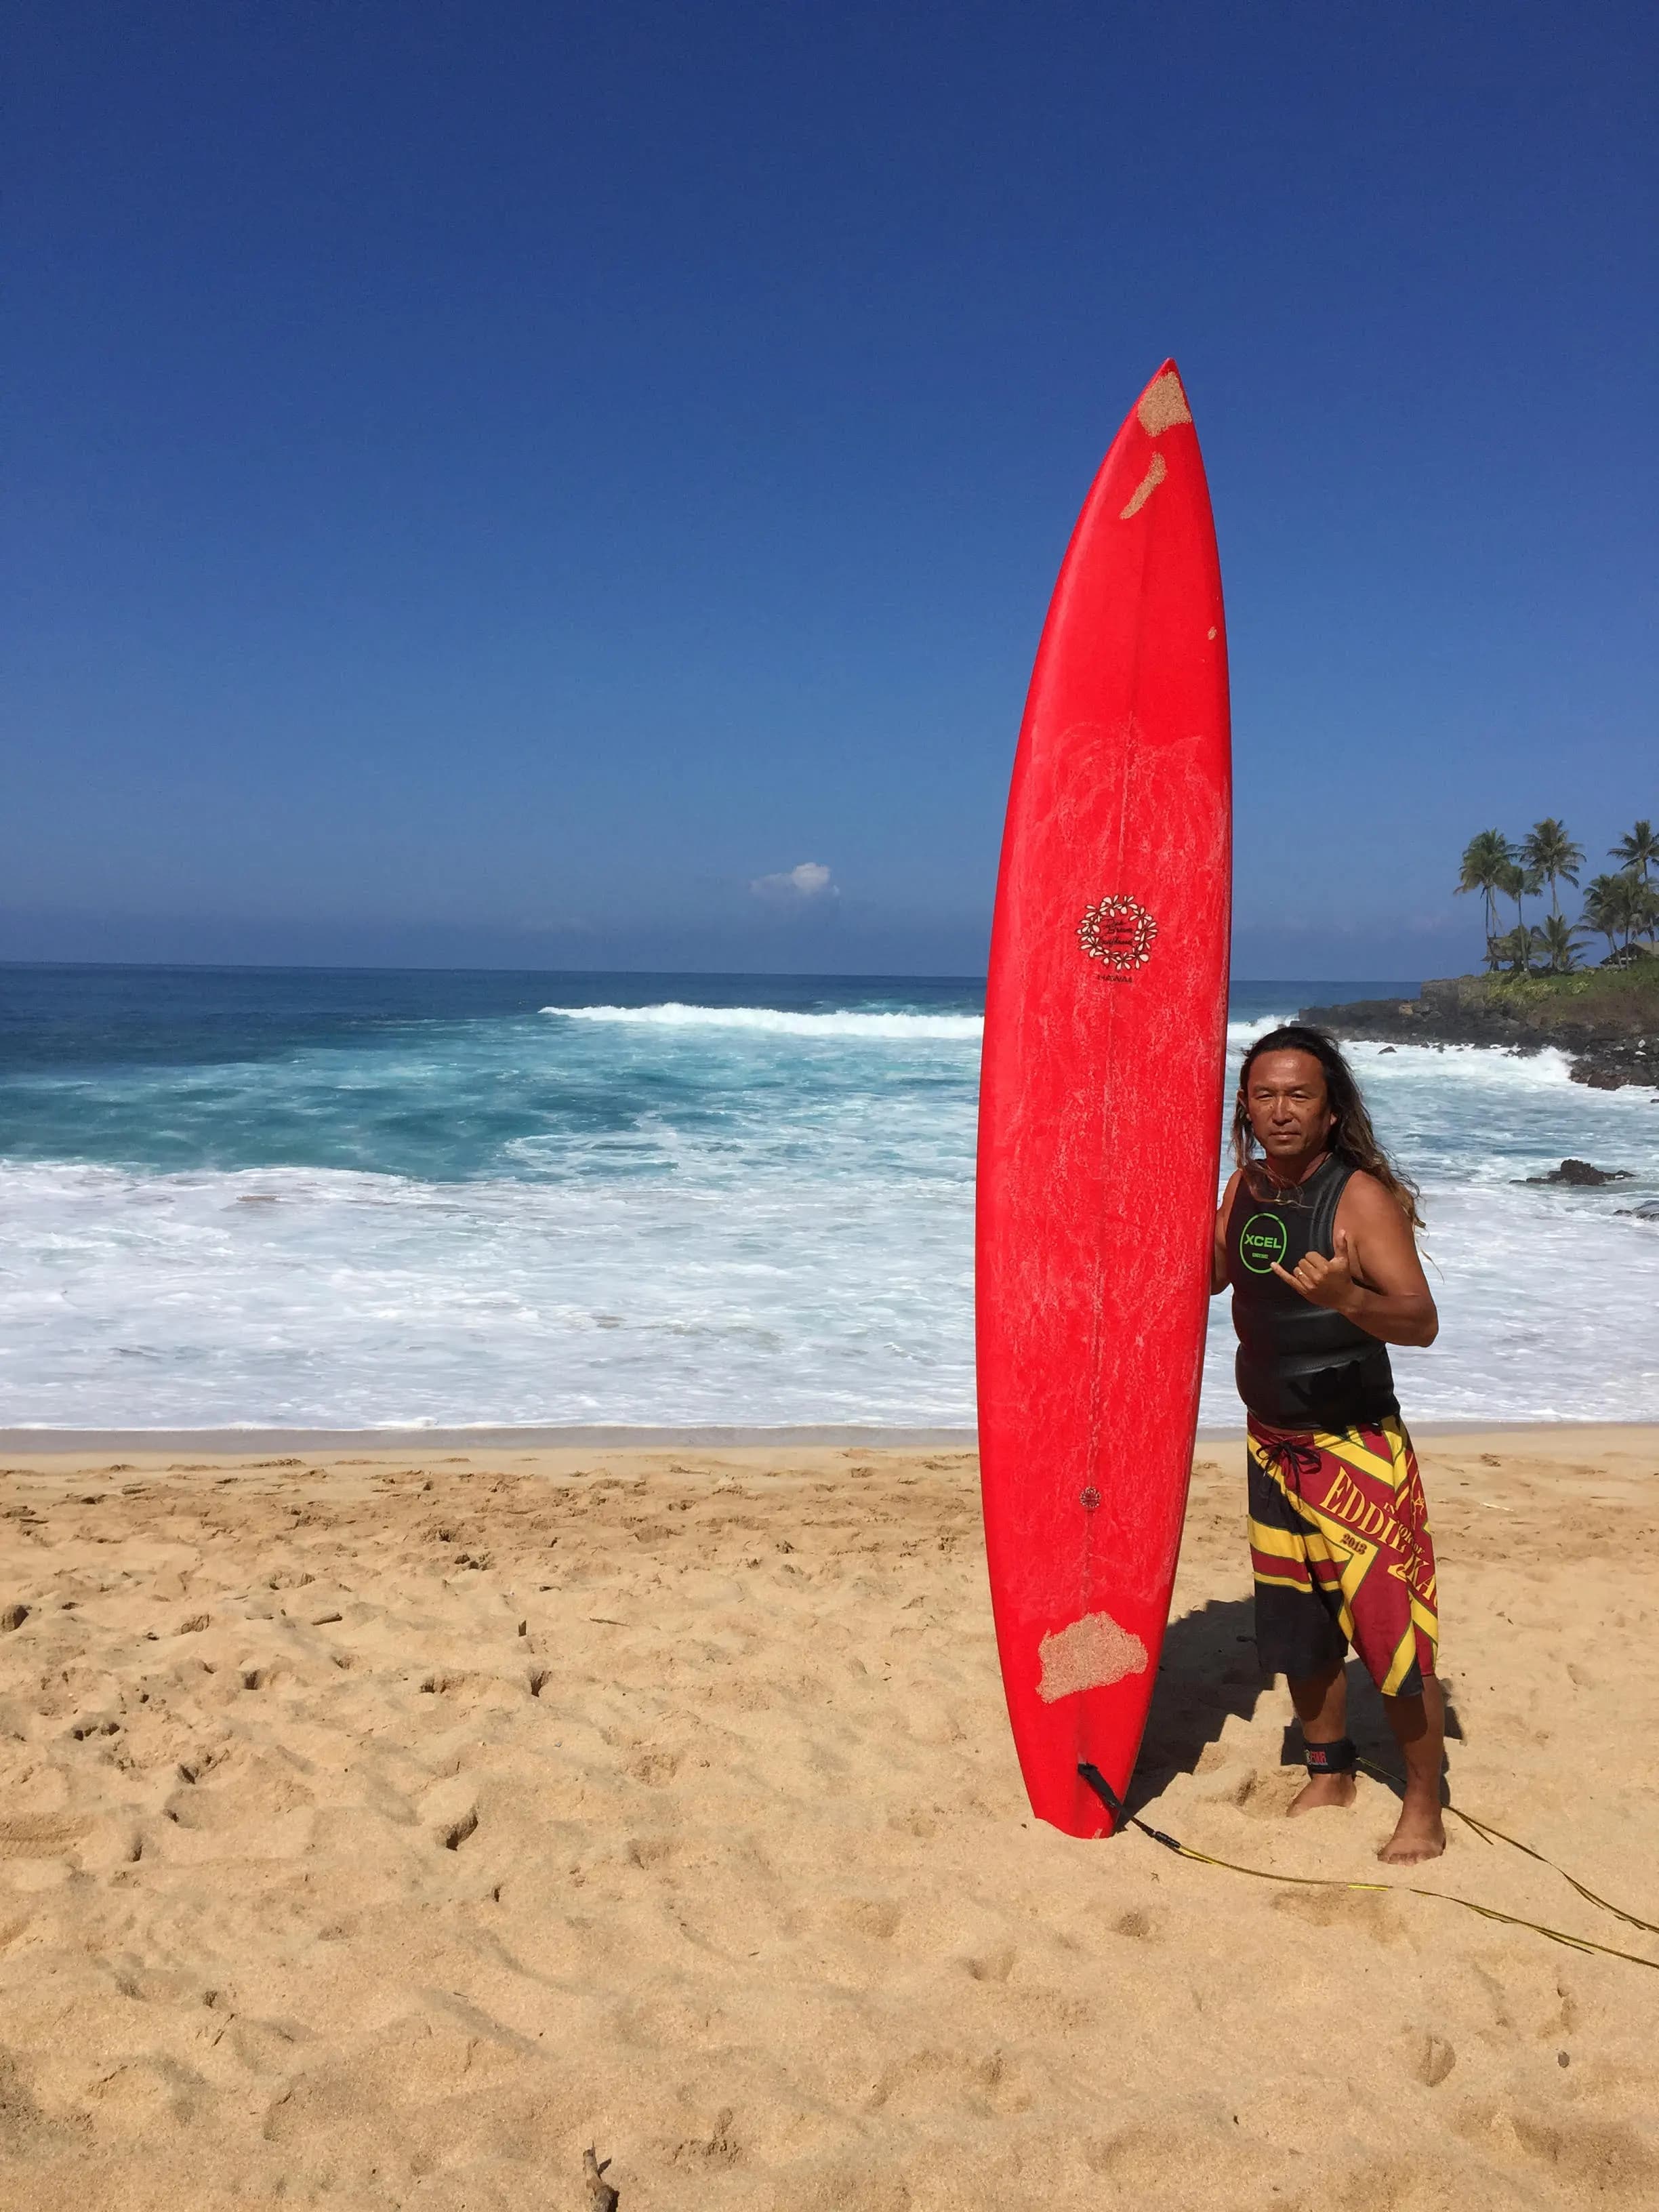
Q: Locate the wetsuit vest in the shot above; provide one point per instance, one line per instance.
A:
(1300, 1366)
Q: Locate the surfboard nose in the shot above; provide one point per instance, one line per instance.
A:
(1163, 403)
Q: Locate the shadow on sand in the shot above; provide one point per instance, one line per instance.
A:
(1209, 1672)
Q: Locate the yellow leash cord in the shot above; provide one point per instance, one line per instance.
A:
(1487, 1835)
(1122, 1817)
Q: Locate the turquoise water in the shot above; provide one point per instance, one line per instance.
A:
(309, 1197)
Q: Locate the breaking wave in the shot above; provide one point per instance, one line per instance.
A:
(775, 1021)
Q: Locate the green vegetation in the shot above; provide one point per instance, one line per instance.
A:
(1622, 906)
(1605, 1016)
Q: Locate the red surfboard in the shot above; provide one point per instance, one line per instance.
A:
(1100, 1112)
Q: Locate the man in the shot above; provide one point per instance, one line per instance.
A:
(1316, 1236)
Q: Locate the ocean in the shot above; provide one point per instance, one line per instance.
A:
(329, 1199)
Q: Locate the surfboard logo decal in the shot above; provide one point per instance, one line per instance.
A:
(1092, 1654)
(1118, 932)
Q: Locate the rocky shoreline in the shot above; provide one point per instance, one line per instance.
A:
(1608, 1023)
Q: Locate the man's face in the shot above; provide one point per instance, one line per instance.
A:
(1287, 1105)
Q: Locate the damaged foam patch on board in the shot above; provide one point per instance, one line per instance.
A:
(1092, 1654)
(1144, 490)
(1162, 404)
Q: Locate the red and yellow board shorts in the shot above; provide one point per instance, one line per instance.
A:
(1339, 1546)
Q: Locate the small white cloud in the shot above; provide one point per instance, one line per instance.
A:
(810, 880)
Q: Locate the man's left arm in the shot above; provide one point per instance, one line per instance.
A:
(1375, 1277)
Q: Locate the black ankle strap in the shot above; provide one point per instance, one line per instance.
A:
(1340, 1757)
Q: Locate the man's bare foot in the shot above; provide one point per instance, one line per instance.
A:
(1420, 1834)
(1321, 1790)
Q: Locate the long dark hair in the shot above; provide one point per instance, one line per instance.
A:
(1352, 1137)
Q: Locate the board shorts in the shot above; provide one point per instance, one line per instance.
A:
(1340, 1550)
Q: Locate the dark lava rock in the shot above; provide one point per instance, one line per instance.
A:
(1648, 1211)
(1582, 1175)
(1610, 1063)
(1607, 1048)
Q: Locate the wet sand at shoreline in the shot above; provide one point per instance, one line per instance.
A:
(380, 1827)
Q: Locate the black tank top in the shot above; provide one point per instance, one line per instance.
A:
(1299, 1365)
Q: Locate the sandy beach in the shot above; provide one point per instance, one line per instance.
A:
(382, 1829)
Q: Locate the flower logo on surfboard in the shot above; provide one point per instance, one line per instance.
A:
(1118, 932)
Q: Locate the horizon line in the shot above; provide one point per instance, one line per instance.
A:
(709, 975)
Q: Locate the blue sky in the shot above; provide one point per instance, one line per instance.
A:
(499, 485)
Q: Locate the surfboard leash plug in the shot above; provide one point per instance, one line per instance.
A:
(1121, 1816)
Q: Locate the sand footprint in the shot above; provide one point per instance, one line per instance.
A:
(656, 1769)
(875, 1917)
(992, 1966)
(719, 2147)
(40, 1836)
(1433, 2059)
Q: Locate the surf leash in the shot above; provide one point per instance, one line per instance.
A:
(1121, 1818)
(1488, 1834)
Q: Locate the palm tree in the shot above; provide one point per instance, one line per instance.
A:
(1515, 946)
(1519, 884)
(1558, 941)
(1485, 858)
(1636, 853)
(1614, 907)
(1549, 851)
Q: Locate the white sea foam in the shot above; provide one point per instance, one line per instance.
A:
(731, 1288)
(698, 1218)
(775, 1021)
